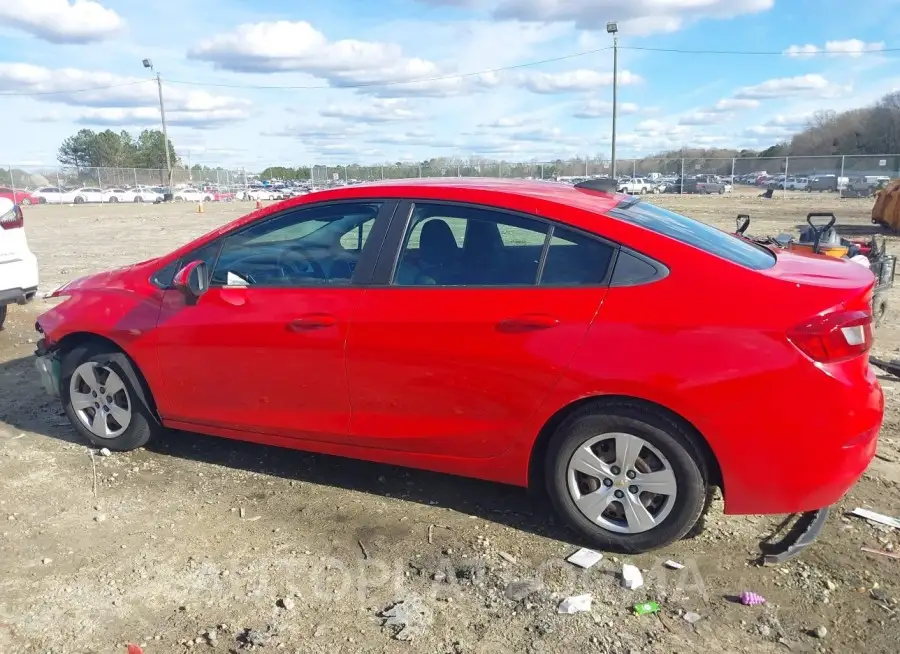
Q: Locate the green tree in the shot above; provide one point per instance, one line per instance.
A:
(78, 150)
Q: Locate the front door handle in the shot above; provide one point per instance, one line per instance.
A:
(528, 322)
(312, 321)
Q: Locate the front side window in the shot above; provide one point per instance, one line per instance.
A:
(449, 245)
(302, 247)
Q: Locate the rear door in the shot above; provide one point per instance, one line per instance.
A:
(473, 315)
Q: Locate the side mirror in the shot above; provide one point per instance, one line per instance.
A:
(192, 280)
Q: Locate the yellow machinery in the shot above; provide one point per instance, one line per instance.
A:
(887, 206)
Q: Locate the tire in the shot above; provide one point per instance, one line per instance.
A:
(178, 198)
(722, 191)
(138, 199)
(42, 200)
(207, 199)
(657, 435)
(643, 191)
(142, 423)
(113, 199)
(79, 200)
(2, 316)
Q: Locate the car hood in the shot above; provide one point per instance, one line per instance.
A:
(114, 279)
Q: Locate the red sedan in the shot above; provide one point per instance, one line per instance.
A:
(624, 356)
(18, 196)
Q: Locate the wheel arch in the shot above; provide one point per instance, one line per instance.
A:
(77, 339)
(541, 443)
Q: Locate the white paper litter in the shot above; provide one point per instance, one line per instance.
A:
(673, 565)
(632, 578)
(876, 517)
(575, 604)
(691, 617)
(585, 558)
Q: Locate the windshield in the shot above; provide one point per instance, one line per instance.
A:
(693, 232)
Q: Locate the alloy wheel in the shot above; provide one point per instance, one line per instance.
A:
(621, 483)
(100, 400)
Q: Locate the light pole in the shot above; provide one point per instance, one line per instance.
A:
(612, 28)
(162, 111)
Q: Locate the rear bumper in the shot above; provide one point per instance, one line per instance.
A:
(812, 453)
(18, 280)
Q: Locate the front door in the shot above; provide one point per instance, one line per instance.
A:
(263, 349)
(482, 313)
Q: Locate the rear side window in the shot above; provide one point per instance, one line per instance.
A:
(693, 232)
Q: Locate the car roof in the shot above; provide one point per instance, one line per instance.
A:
(457, 188)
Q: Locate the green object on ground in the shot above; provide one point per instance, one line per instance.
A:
(643, 608)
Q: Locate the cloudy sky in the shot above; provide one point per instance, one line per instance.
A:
(251, 83)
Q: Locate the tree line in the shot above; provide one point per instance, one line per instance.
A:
(109, 149)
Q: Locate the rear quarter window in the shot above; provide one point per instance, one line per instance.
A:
(694, 233)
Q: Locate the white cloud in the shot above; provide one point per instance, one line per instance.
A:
(61, 21)
(296, 46)
(601, 108)
(149, 116)
(849, 47)
(376, 111)
(506, 121)
(634, 16)
(573, 80)
(785, 87)
(134, 98)
(734, 104)
(703, 118)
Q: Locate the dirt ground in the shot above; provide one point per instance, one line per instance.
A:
(188, 544)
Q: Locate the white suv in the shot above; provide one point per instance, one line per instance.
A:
(18, 266)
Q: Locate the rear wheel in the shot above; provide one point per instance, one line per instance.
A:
(626, 478)
(138, 199)
(113, 199)
(104, 398)
(79, 200)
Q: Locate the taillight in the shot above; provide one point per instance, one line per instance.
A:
(834, 336)
(12, 218)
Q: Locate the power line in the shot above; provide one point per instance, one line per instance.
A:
(93, 88)
(528, 64)
(798, 54)
(398, 82)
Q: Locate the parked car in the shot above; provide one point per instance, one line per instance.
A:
(131, 195)
(18, 196)
(263, 194)
(797, 183)
(704, 184)
(83, 195)
(636, 185)
(518, 331)
(18, 265)
(50, 195)
(191, 195)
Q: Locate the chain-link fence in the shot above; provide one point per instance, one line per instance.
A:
(836, 172)
(33, 178)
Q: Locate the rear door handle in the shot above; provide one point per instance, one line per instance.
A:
(528, 322)
(312, 321)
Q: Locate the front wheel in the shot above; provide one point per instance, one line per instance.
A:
(626, 478)
(113, 199)
(104, 398)
(138, 199)
(79, 200)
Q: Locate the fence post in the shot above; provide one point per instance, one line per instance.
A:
(12, 184)
(542, 171)
(382, 172)
(787, 161)
(732, 171)
(840, 188)
(633, 168)
(59, 186)
(681, 185)
(100, 184)
(134, 172)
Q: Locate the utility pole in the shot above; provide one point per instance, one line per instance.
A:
(162, 111)
(613, 28)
